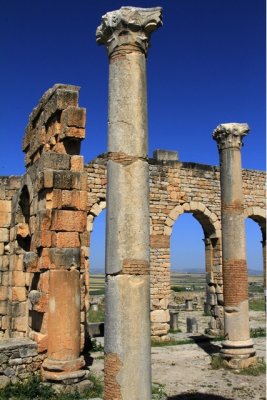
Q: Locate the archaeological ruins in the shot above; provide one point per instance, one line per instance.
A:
(48, 214)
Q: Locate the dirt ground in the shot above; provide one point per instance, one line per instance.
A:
(186, 373)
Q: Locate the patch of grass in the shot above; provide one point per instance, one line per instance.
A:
(95, 346)
(257, 332)
(29, 389)
(175, 331)
(96, 316)
(255, 370)
(257, 305)
(34, 388)
(158, 391)
(171, 342)
(97, 388)
(216, 362)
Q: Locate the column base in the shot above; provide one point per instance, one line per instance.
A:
(66, 371)
(238, 354)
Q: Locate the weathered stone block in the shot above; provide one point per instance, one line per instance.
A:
(74, 116)
(19, 293)
(160, 316)
(5, 219)
(5, 206)
(65, 239)
(43, 220)
(18, 278)
(4, 235)
(30, 261)
(64, 258)
(3, 307)
(68, 220)
(54, 161)
(20, 324)
(77, 163)
(42, 239)
(3, 292)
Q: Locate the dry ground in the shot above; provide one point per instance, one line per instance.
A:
(186, 374)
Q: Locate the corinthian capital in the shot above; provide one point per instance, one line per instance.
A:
(230, 135)
(128, 28)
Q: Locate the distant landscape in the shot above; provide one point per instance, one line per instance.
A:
(183, 280)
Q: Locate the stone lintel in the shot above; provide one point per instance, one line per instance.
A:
(230, 135)
(128, 26)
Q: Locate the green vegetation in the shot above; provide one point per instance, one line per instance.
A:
(257, 305)
(217, 362)
(95, 346)
(175, 331)
(171, 342)
(257, 332)
(255, 370)
(158, 391)
(255, 287)
(97, 388)
(97, 316)
(33, 388)
(97, 292)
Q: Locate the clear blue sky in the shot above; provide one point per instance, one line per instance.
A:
(206, 65)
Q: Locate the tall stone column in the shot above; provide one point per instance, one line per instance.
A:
(125, 33)
(237, 350)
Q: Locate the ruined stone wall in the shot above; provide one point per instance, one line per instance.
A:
(48, 240)
(47, 216)
(178, 187)
(8, 188)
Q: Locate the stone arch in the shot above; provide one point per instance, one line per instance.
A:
(21, 246)
(211, 226)
(209, 221)
(258, 215)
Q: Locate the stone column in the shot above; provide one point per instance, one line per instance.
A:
(237, 350)
(125, 33)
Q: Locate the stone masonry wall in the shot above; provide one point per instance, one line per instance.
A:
(19, 359)
(8, 188)
(178, 187)
(47, 218)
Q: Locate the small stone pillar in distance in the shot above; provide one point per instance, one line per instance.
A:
(238, 349)
(127, 374)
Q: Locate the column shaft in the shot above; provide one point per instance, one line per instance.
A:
(127, 374)
(238, 345)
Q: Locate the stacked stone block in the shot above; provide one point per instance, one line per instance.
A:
(19, 359)
(49, 242)
(8, 188)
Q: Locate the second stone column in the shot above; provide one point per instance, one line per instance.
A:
(125, 33)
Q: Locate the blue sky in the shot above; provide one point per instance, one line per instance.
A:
(206, 65)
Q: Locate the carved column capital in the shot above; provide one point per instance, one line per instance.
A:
(230, 135)
(128, 29)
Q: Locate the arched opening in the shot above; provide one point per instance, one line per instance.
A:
(23, 220)
(160, 269)
(193, 287)
(96, 306)
(255, 255)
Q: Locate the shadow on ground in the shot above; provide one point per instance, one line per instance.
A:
(205, 344)
(197, 396)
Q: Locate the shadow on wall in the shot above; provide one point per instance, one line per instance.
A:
(197, 396)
